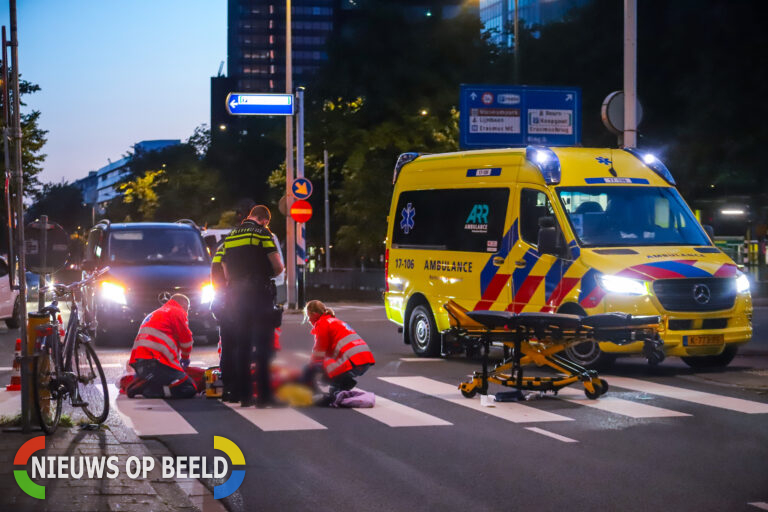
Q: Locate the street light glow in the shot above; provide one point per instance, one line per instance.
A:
(732, 212)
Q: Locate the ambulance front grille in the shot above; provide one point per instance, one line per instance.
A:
(680, 294)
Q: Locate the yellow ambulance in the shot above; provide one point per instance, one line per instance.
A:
(568, 230)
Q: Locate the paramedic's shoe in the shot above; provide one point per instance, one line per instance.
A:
(270, 404)
(323, 400)
(136, 387)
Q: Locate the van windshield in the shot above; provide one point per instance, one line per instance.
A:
(156, 246)
(602, 216)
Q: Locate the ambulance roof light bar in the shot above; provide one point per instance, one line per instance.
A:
(653, 163)
(403, 159)
(546, 161)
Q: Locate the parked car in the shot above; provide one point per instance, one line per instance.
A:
(148, 263)
(9, 299)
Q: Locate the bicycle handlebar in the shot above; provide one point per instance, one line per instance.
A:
(65, 289)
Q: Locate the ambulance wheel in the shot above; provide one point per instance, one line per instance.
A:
(422, 331)
(587, 354)
(712, 362)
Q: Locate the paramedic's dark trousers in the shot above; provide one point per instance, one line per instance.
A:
(156, 380)
(254, 340)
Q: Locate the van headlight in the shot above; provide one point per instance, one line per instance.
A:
(742, 284)
(207, 294)
(113, 292)
(622, 285)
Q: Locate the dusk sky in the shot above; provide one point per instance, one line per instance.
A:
(113, 73)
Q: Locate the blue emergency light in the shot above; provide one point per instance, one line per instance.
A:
(546, 161)
(653, 163)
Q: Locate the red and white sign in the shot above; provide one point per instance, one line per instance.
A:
(487, 98)
(301, 211)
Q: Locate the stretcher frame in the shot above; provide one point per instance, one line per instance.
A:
(538, 338)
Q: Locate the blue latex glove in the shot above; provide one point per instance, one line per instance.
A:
(184, 363)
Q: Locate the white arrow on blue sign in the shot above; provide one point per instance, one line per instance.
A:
(248, 104)
(301, 188)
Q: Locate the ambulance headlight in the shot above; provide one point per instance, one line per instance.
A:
(742, 284)
(207, 294)
(113, 292)
(623, 285)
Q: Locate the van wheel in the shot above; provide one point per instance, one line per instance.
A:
(422, 331)
(712, 362)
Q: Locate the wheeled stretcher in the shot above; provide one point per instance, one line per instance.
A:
(538, 338)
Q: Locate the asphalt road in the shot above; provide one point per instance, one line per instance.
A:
(428, 448)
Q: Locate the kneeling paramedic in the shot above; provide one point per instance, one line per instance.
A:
(163, 336)
(339, 351)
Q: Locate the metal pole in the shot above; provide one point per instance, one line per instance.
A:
(630, 73)
(327, 216)
(290, 235)
(517, 47)
(43, 281)
(16, 134)
(301, 245)
(6, 153)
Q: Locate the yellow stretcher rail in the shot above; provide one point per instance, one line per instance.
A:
(538, 338)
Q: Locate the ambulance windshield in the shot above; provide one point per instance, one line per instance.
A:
(604, 216)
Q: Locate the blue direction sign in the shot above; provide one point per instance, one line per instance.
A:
(248, 104)
(504, 115)
(301, 188)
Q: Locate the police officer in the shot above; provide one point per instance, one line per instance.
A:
(227, 348)
(250, 260)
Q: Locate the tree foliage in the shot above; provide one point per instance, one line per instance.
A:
(63, 204)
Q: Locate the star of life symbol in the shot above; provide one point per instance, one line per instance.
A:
(409, 212)
(603, 160)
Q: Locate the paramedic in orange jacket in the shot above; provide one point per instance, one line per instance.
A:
(160, 353)
(339, 351)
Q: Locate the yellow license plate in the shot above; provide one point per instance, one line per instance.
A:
(706, 339)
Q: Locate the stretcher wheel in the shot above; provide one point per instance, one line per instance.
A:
(603, 386)
(594, 395)
(467, 393)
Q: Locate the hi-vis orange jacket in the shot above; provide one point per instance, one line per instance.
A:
(338, 346)
(163, 335)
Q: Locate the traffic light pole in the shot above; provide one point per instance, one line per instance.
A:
(290, 234)
(301, 245)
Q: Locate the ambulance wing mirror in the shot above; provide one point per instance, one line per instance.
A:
(710, 231)
(547, 241)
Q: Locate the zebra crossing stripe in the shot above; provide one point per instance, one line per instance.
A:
(617, 405)
(149, 416)
(509, 411)
(10, 403)
(394, 414)
(551, 434)
(689, 395)
(274, 420)
(759, 504)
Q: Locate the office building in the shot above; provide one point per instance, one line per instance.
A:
(498, 16)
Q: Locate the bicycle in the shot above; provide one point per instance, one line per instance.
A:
(55, 377)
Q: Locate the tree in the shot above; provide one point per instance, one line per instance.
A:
(33, 140)
(365, 117)
(63, 204)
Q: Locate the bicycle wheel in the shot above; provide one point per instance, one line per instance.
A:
(47, 390)
(91, 382)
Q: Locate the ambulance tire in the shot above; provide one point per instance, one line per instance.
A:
(587, 354)
(422, 331)
(712, 362)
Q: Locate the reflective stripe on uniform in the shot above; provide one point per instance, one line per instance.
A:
(247, 241)
(343, 342)
(156, 346)
(345, 357)
(157, 333)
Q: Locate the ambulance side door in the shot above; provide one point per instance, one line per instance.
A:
(535, 276)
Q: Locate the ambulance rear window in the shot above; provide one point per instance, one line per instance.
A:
(470, 220)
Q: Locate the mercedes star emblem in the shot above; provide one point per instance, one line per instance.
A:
(166, 296)
(701, 293)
